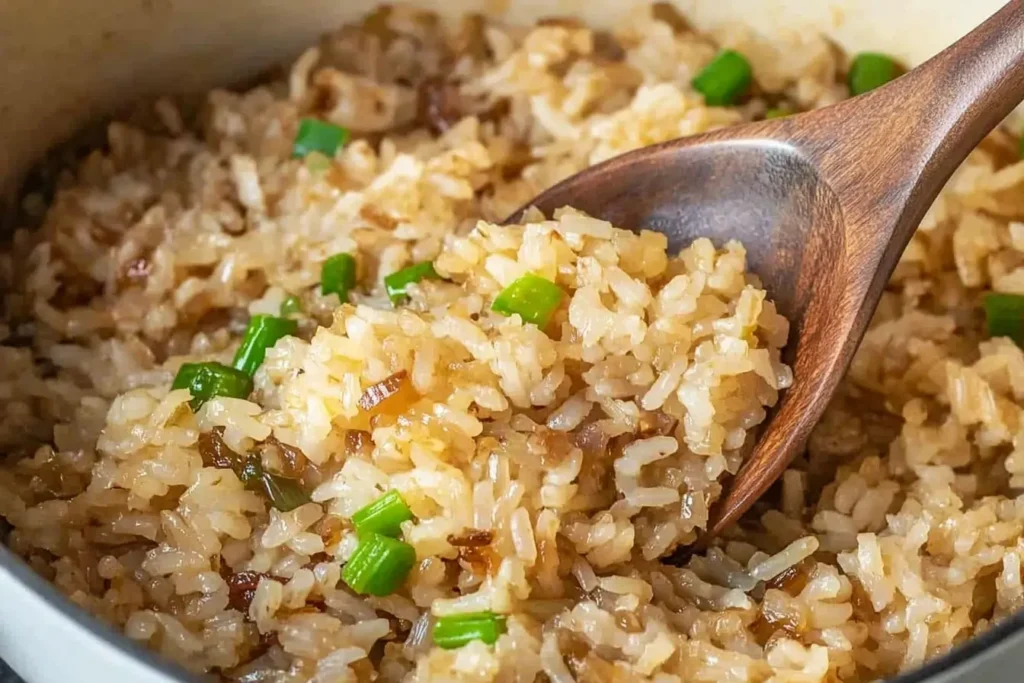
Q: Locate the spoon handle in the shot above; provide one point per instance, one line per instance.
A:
(885, 156)
(904, 140)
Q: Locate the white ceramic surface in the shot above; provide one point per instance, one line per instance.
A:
(63, 62)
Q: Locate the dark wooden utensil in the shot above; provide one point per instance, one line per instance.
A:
(824, 202)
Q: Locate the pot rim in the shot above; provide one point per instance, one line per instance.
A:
(991, 649)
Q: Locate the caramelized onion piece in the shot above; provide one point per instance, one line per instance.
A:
(561, 22)
(242, 589)
(592, 438)
(656, 423)
(515, 162)
(358, 442)
(388, 396)
(290, 460)
(606, 46)
(795, 578)
(378, 24)
(440, 105)
(215, 452)
(472, 538)
(331, 528)
(470, 39)
(666, 12)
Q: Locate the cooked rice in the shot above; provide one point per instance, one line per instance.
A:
(584, 454)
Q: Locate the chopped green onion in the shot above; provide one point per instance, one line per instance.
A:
(455, 631)
(725, 79)
(1004, 315)
(379, 566)
(383, 516)
(338, 276)
(283, 493)
(397, 283)
(533, 298)
(206, 380)
(870, 70)
(263, 332)
(318, 136)
(290, 306)
(1020, 147)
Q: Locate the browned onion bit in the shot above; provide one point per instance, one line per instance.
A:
(770, 625)
(561, 22)
(793, 579)
(215, 452)
(469, 39)
(472, 538)
(607, 47)
(378, 23)
(330, 528)
(390, 395)
(518, 158)
(358, 442)
(592, 438)
(292, 459)
(440, 104)
(378, 217)
(666, 12)
(242, 589)
(265, 642)
(656, 423)
(483, 559)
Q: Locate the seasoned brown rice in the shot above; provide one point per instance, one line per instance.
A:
(550, 471)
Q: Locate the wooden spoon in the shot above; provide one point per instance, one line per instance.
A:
(824, 203)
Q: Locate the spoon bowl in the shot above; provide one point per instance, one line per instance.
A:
(760, 191)
(824, 203)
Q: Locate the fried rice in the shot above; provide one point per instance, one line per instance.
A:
(550, 471)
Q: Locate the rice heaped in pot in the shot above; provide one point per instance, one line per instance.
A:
(539, 466)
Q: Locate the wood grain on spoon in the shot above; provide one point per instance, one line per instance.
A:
(824, 202)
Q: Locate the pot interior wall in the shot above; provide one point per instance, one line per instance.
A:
(67, 62)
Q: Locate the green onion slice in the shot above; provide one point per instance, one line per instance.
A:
(263, 332)
(318, 136)
(1020, 147)
(868, 70)
(379, 566)
(283, 493)
(533, 298)
(292, 305)
(206, 380)
(397, 284)
(1004, 315)
(383, 516)
(338, 275)
(725, 79)
(455, 631)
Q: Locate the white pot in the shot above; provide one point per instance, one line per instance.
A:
(65, 62)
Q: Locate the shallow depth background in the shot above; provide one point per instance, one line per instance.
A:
(68, 61)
